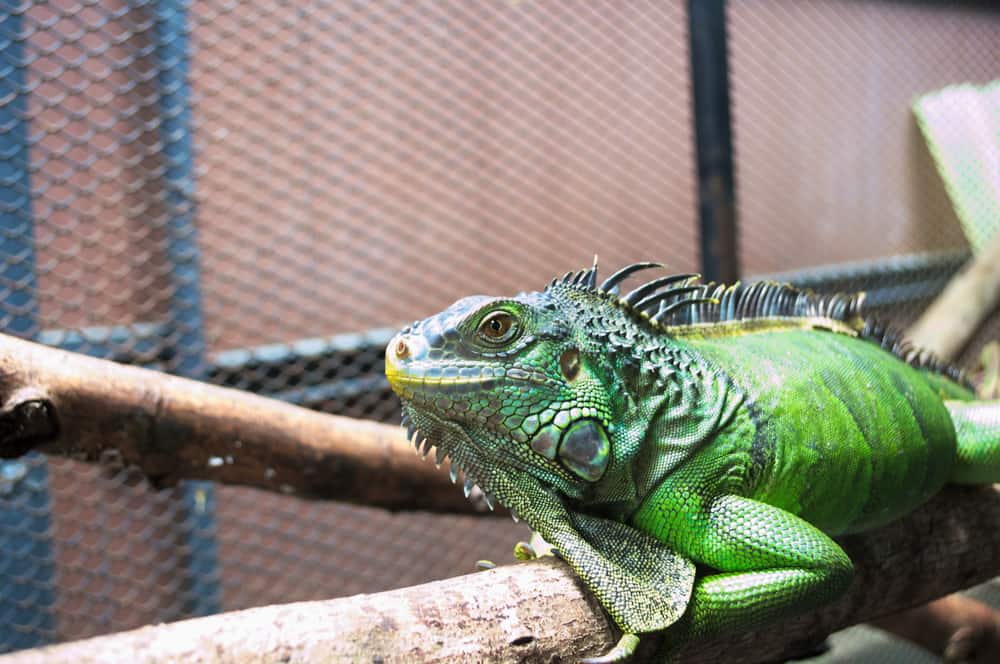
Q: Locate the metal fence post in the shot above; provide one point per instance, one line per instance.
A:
(27, 575)
(171, 32)
(713, 139)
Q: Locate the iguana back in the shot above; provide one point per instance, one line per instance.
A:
(847, 436)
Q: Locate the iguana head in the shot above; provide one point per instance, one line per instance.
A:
(523, 393)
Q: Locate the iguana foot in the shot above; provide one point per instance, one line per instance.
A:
(524, 551)
(536, 548)
(622, 651)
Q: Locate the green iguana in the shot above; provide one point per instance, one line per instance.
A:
(733, 427)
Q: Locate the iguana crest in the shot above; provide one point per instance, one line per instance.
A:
(678, 306)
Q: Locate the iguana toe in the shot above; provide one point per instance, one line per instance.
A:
(524, 551)
(622, 651)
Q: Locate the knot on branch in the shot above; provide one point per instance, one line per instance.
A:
(27, 420)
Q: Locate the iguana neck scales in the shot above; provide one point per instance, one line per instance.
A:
(735, 427)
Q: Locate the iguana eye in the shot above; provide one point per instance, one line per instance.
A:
(498, 327)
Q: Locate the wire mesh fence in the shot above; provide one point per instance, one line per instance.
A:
(831, 165)
(257, 193)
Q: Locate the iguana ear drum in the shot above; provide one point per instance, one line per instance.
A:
(569, 362)
(585, 449)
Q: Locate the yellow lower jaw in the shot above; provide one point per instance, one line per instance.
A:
(408, 379)
(403, 382)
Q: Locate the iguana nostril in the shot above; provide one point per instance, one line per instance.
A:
(402, 350)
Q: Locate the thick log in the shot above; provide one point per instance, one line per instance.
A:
(538, 611)
(172, 428)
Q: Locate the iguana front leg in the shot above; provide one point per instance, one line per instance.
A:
(771, 563)
(642, 582)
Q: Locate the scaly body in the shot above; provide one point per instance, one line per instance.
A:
(739, 428)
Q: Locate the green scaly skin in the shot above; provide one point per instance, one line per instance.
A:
(638, 446)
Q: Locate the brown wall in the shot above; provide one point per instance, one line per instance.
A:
(96, 166)
(830, 164)
(363, 166)
(116, 544)
(360, 167)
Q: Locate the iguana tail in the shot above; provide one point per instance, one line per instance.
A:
(977, 427)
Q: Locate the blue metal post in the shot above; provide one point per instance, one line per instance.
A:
(27, 593)
(203, 592)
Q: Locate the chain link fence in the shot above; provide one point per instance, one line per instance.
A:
(258, 193)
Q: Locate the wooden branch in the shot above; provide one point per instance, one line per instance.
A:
(957, 628)
(538, 611)
(951, 320)
(172, 428)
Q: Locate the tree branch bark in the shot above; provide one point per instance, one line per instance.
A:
(537, 611)
(173, 428)
(973, 294)
(958, 628)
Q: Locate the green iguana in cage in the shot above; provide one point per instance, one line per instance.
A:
(733, 427)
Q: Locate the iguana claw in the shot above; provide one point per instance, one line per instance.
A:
(622, 651)
(524, 551)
